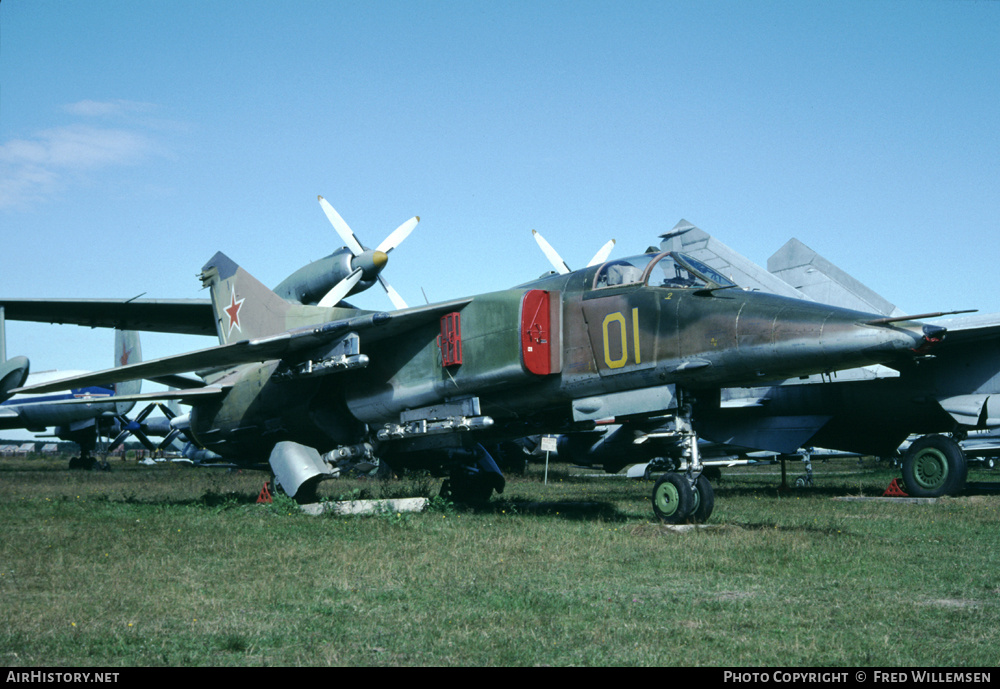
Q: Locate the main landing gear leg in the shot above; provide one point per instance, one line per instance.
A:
(681, 497)
(474, 483)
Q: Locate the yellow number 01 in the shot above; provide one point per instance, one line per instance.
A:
(619, 318)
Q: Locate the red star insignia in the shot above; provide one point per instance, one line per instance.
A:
(233, 311)
(123, 359)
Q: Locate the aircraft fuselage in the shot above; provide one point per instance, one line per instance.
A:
(541, 348)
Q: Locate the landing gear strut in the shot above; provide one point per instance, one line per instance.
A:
(680, 497)
(474, 483)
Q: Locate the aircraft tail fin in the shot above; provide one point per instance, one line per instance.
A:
(128, 350)
(824, 282)
(13, 374)
(244, 308)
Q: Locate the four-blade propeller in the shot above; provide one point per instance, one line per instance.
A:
(559, 264)
(367, 263)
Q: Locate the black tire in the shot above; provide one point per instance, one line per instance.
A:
(673, 499)
(473, 491)
(82, 463)
(934, 466)
(383, 472)
(704, 500)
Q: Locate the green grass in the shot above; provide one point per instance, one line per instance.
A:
(173, 566)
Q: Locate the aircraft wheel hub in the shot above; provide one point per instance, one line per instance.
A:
(667, 498)
(930, 468)
(673, 499)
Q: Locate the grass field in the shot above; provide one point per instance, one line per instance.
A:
(172, 566)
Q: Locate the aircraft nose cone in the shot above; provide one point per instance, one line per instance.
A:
(885, 343)
(814, 339)
(379, 259)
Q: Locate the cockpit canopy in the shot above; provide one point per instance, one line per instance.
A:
(672, 269)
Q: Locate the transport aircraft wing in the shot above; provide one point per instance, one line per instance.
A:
(182, 316)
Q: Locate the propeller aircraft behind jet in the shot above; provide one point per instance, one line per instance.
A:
(81, 414)
(306, 387)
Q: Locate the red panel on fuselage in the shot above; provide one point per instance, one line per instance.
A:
(537, 337)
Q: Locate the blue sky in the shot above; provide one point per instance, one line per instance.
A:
(138, 138)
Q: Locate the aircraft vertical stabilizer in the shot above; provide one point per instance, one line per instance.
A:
(822, 281)
(128, 350)
(243, 307)
(697, 243)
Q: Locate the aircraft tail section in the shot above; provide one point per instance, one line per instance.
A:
(243, 307)
(13, 374)
(701, 245)
(824, 282)
(128, 350)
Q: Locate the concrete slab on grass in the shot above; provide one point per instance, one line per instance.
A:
(687, 528)
(367, 506)
(910, 501)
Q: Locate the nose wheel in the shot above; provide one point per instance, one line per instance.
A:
(684, 497)
(677, 501)
(673, 498)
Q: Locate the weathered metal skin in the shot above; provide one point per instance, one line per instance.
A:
(609, 338)
(311, 282)
(260, 411)
(629, 337)
(407, 374)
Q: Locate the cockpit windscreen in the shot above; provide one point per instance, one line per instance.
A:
(672, 269)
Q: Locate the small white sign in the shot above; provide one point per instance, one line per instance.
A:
(548, 443)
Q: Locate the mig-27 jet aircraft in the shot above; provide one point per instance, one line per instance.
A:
(304, 387)
(870, 410)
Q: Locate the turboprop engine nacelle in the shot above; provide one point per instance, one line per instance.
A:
(310, 283)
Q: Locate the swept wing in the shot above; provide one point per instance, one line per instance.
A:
(291, 345)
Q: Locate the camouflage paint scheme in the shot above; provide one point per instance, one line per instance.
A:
(603, 340)
(624, 339)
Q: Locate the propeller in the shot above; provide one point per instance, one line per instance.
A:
(367, 263)
(341, 289)
(141, 429)
(560, 265)
(135, 428)
(178, 425)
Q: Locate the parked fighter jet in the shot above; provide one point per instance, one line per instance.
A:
(869, 411)
(427, 386)
(100, 412)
